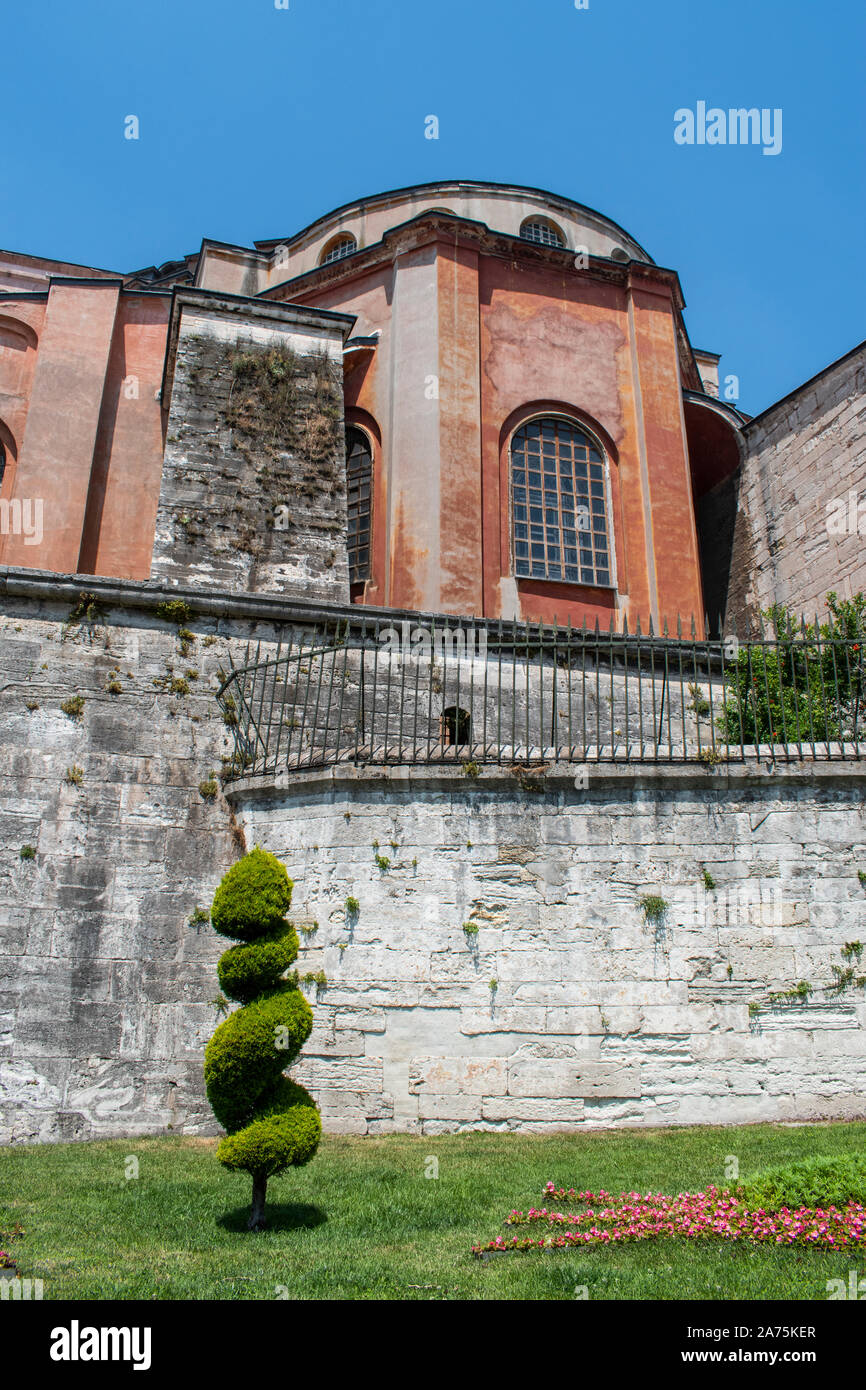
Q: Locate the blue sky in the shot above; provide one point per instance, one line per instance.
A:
(254, 121)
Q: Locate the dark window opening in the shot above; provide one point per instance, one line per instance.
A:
(2, 463)
(456, 726)
(359, 491)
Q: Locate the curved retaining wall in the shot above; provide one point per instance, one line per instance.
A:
(598, 1015)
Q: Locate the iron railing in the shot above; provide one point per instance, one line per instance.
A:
(369, 692)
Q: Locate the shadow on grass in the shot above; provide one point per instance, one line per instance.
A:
(280, 1216)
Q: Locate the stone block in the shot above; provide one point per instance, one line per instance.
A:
(458, 1076)
(570, 1078)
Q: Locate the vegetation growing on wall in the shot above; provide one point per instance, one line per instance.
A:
(269, 410)
(845, 978)
(208, 789)
(803, 685)
(174, 610)
(653, 907)
(276, 418)
(85, 618)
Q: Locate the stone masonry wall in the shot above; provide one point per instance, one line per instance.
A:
(804, 455)
(253, 495)
(104, 983)
(598, 1016)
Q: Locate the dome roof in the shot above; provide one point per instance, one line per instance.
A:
(509, 208)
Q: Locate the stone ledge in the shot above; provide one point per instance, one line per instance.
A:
(559, 776)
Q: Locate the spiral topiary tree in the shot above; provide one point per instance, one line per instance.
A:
(272, 1123)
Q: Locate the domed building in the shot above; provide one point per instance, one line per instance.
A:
(526, 430)
(542, 879)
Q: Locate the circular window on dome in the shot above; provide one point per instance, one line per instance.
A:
(339, 247)
(542, 231)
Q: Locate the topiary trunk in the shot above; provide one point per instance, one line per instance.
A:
(257, 1211)
(272, 1123)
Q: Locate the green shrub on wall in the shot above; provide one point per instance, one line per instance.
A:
(808, 682)
(272, 1123)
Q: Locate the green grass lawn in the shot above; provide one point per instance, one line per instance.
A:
(363, 1222)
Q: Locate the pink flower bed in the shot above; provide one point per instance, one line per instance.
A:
(606, 1220)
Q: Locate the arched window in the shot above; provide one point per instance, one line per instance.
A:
(359, 489)
(559, 503)
(542, 230)
(340, 246)
(2, 462)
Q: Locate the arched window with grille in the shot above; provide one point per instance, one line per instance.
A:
(339, 246)
(559, 503)
(543, 231)
(359, 497)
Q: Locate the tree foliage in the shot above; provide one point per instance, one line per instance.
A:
(804, 683)
(272, 1123)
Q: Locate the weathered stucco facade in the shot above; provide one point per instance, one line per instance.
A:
(190, 454)
(459, 312)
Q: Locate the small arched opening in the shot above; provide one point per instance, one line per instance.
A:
(455, 726)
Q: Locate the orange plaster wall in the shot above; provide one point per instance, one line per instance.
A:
(502, 339)
(367, 395)
(20, 326)
(559, 342)
(673, 519)
(87, 428)
(56, 454)
(127, 468)
(460, 511)
(509, 340)
(402, 301)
